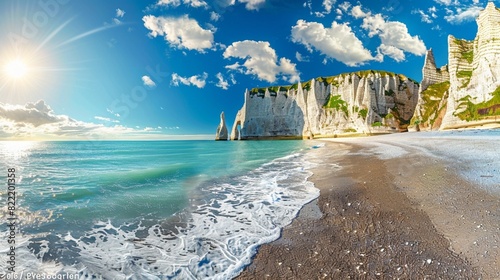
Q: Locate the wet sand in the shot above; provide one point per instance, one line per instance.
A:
(406, 216)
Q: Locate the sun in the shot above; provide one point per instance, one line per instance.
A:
(16, 69)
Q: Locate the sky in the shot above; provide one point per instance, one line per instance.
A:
(166, 69)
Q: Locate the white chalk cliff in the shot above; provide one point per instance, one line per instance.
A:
(222, 133)
(433, 94)
(360, 102)
(471, 94)
(465, 92)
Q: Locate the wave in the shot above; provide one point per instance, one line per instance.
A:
(220, 230)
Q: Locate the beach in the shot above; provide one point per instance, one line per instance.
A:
(409, 206)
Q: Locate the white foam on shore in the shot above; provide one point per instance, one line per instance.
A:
(228, 221)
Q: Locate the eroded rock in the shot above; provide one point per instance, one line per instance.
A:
(221, 134)
(360, 102)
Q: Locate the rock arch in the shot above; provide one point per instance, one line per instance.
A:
(236, 131)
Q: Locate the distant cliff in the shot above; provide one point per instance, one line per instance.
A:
(359, 102)
(470, 95)
(463, 93)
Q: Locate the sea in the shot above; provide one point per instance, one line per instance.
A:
(146, 209)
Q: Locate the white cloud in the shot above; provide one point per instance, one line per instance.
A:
(423, 16)
(253, 4)
(319, 14)
(120, 13)
(443, 2)
(327, 4)
(222, 83)
(212, 28)
(148, 82)
(112, 113)
(392, 33)
(35, 114)
(233, 79)
(357, 12)
(235, 67)
(174, 3)
(432, 10)
(106, 119)
(308, 5)
(38, 121)
(391, 51)
(261, 60)
(249, 4)
(198, 80)
(462, 15)
(337, 42)
(181, 32)
(222, 4)
(196, 3)
(177, 3)
(214, 16)
(301, 58)
(345, 6)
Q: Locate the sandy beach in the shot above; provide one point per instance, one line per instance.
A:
(402, 206)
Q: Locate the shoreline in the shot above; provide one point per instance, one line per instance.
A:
(381, 214)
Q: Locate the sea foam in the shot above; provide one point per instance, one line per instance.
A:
(220, 231)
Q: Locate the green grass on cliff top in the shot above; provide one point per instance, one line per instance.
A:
(330, 80)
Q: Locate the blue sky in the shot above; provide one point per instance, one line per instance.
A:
(164, 69)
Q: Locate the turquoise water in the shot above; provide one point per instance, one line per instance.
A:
(151, 209)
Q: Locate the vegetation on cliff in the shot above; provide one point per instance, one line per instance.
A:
(335, 102)
(464, 46)
(432, 98)
(466, 76)
(469, 111)
(469, 56)
(335, 81)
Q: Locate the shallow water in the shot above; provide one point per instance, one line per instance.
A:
(150, 210)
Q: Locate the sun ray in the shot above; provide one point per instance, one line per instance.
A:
(52, 34)
(85, 34)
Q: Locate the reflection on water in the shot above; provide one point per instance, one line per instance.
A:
(17, 149)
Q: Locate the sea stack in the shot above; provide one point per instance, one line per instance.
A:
(221, 134)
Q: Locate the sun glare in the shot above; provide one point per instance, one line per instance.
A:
(16, 69)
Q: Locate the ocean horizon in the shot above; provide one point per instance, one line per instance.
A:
(182, 209)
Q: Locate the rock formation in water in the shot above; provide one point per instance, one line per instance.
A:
(471, 95)
(360, 102)
(222, 134)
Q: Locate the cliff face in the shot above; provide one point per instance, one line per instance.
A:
(362, 102)
(431, 74)
(468, 93)
(433, 94)
(475, 73)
